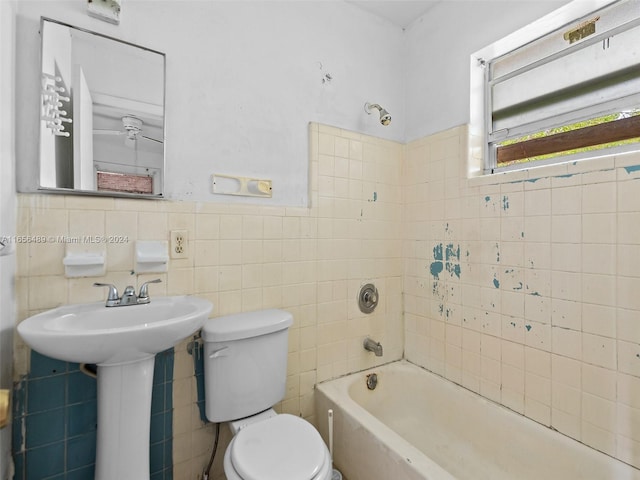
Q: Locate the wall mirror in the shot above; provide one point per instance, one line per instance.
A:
(101, 114)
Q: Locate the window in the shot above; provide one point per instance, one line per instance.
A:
(565, 94)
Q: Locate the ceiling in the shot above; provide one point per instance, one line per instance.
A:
(399, 12)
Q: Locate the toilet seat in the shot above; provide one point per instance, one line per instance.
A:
(284, 447)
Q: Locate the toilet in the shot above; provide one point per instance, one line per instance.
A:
(245, 367)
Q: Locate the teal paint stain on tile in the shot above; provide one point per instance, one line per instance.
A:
(456, 270)
(532, 180)
(436, 268)
(452, 257)
(633, 168)
(505, 203)
(446, 258)
(496, 283)
(566, 175)
(452, 252)
(535, 294)
(528, 327)
(519, 287)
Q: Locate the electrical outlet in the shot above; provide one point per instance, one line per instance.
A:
(179, 244)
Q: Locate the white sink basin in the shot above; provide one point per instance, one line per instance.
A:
(93, 333)
(123, 342)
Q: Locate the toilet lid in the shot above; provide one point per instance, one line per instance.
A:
(283, 447)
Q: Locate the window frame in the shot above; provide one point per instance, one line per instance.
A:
(483, 141)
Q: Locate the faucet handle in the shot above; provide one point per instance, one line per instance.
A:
(113, 291)
(144, 289)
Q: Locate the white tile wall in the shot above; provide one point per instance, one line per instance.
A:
(548, 285)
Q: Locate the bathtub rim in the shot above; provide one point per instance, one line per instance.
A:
(410, 455)
(339, 387)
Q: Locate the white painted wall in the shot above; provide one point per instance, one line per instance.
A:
(244, 79)
(7, 217)
(439, 45)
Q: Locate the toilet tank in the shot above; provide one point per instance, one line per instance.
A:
(245, 363)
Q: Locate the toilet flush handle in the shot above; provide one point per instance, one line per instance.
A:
(220, 352)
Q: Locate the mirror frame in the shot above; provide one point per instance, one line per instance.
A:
(73, 191)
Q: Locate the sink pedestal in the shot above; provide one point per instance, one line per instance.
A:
(124, 420)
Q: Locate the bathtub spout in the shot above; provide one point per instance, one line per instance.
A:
(373, 346)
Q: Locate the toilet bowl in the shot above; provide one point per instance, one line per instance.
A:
(245, 375)
(282, 447)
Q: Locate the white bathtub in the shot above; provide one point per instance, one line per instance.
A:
(417, 425)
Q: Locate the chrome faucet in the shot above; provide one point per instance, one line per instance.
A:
(373, 346)
(129, 296)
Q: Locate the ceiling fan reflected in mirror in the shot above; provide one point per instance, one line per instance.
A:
(132, 127)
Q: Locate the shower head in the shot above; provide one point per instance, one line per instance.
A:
(385, 118)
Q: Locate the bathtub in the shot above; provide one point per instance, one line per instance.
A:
(416, 425)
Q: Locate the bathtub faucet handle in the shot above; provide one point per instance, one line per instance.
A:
(371, 297)
(368, 298)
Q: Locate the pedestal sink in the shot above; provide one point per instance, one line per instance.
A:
(123, 342)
